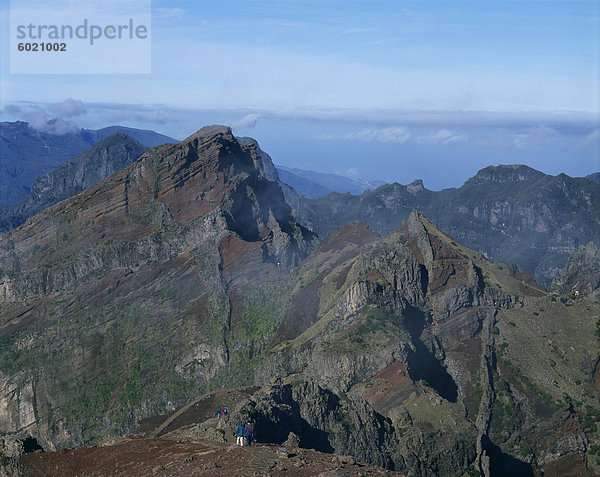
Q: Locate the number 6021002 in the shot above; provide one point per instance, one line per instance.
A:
(42, 47)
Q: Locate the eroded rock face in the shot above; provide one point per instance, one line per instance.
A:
(582, 273)
(409, 325)
(136, 289)
(17, 412)
(324, 421)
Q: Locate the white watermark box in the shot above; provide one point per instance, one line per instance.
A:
(80, 37)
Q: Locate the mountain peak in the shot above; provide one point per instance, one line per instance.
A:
(207, 183)
(415, 187)
(268, 167)
(208, 132)
(505, 173)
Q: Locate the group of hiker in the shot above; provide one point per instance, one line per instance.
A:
(241, 431)
(244, 431)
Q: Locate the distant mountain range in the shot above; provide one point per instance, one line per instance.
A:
(106, 157)
(311, 184)
(512, 214)
(27, 153)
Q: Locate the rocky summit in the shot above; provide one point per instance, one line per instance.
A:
(183, 283)
(134, 294)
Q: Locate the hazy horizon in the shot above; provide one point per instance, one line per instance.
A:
(392, 91)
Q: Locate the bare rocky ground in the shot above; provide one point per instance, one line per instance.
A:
(141, 457)
(180, 453)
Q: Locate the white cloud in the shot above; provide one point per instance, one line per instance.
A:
(175, 12)
(590, 141)
(68, 108)
(392, 134)
(54, 126)
(532, 137)
(490, 129)
(249, 121)
(445, 136)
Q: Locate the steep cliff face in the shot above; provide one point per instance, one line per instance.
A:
(513, 214)
(132, 295)
(582, 273)
(430, 338)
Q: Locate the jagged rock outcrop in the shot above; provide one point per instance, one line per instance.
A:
(269, 169)
(388, 318)
(324, 421)
(418, 326)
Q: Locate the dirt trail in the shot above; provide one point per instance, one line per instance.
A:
(175, 415)
(198, 410)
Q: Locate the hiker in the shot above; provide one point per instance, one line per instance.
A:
(218, 412)
(225, 410)
(239, 434)
(249, 433)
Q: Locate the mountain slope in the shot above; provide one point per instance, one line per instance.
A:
(304, 186)
(186, 272)
(316, 184)
(431, 359)
(136, 293)
(104, 158)
(27, 153)
(513, 214)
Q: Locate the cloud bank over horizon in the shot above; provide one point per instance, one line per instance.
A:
(443, 148)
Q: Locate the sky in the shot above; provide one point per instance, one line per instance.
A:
(387, 90)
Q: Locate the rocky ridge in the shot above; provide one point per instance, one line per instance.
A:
(187, 272)
(28, 152)
(511, 213)
(134, 287)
